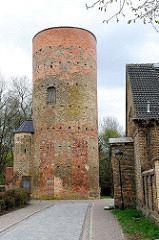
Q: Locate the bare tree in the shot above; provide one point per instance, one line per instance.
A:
(15, 107)
(145, 10)
(20, 100)
(3, 120)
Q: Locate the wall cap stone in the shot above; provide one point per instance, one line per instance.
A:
(120, 140)
(149, 172)
(155, 159)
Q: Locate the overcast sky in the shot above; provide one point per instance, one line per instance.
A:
(117, 44)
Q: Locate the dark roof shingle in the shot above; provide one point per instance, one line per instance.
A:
(26, 127)
(144, 80)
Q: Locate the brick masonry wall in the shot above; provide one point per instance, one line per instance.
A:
(22, 157)
(154, 139)
(144, 152)
(137, 163)
(130, 109)
(9, 177)
(128, 175)
(66, 136)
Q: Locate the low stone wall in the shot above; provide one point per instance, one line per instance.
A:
(9, 177)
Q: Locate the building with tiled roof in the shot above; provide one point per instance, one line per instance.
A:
(142, 93)
(144, 81)
(140, 163)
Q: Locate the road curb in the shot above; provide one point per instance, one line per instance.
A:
(24, 219)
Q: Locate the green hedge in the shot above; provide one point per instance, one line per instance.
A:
(14, 198)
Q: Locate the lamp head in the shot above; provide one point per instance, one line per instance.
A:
(118, 154)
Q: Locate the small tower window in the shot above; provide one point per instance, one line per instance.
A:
(51, 95)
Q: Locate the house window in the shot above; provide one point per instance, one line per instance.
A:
(51, 95)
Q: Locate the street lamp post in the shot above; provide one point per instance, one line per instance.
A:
(119, 156)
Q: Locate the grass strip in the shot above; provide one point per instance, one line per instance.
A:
(105, 197)
(135, 225)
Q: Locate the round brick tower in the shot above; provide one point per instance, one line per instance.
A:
(65, 114)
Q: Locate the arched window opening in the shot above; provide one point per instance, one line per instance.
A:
(51, 95)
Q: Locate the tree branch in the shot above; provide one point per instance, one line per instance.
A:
(147, 10)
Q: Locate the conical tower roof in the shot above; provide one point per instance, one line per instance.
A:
(26, 127)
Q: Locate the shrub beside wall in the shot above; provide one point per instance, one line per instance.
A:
(13, 198)
(2, 188)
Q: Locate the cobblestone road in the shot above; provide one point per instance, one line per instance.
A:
(58, 222)
(61, 220)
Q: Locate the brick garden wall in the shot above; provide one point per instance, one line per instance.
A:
(9, 177)
(127, 172)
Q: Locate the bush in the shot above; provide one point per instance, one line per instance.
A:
(9, 200)
(15, 198)
(2, 204)
(2, 188)
(21, 196)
